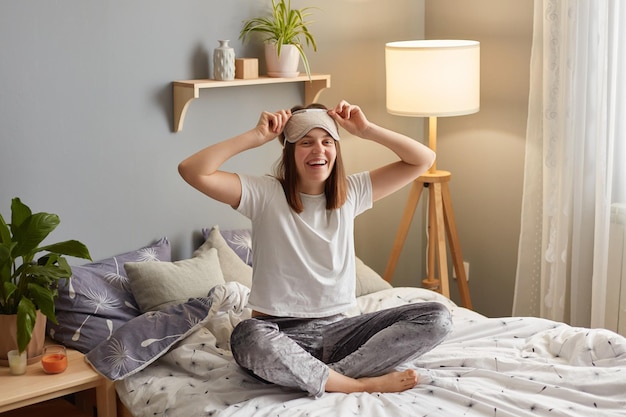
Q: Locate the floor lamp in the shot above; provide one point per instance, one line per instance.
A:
(433, 78)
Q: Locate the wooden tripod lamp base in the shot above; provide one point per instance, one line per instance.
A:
(440, 218)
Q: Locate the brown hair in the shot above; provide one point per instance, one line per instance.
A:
(335, 187)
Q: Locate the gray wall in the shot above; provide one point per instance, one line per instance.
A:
(86, 116)
(86, 106)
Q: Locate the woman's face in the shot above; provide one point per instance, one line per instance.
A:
(315, 156)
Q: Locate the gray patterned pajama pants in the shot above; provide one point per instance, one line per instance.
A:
(298, 353)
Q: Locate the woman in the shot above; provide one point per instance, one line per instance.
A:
(304, 260)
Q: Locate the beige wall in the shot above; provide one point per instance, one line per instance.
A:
(353, 34)
(485, 151)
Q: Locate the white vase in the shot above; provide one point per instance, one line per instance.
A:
(285, 65)
(224, 62)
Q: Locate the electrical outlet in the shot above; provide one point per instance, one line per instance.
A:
(466, 267)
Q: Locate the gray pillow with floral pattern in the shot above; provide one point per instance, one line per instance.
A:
(97, 299)
(146, 338)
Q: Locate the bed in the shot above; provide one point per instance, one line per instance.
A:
(174, 359)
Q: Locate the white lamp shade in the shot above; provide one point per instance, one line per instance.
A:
(433, 77)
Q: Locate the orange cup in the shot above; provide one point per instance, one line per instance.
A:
(54, 359)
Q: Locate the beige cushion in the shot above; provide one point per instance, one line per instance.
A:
(233, 267)
(157, 285)
(368, 280)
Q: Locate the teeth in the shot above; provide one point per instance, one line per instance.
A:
(319, 162)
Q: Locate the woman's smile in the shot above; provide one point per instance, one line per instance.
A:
(315, 156)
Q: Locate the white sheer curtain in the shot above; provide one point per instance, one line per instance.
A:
(573, 167)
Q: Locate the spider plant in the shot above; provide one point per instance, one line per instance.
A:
(285, 26)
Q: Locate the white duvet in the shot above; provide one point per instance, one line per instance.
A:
(487, 367)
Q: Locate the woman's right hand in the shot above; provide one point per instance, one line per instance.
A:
(270, 125)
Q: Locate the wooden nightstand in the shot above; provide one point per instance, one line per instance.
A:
(35, 386)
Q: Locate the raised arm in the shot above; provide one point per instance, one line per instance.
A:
(415, 158)
(201, 170)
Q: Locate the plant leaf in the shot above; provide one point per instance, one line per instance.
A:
(43, 298)
(32, 231)
(5, 233)
(70, 248)
(5, 260)
(19, 212)
(48, 273)
(26, 316)
(8, 288)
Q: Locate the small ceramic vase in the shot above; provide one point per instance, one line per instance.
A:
(224, 62)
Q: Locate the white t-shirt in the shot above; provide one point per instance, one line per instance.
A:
(304, 264)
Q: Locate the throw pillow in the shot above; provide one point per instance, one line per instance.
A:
(233, 267)
(240, 241)
(97, 299)
(158, 285)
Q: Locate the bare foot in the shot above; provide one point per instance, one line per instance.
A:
(392, 382)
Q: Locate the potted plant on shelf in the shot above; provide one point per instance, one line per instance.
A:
(28, 286)
(285, 31)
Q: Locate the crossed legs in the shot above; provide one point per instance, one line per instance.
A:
(357, 354)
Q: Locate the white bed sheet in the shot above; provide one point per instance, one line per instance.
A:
(487, 367)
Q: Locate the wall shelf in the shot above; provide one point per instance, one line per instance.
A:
(187, 90)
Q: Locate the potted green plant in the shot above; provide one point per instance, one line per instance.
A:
(285, 32)
(28, 282)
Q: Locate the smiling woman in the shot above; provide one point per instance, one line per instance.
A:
(304, 272)
(311, 156)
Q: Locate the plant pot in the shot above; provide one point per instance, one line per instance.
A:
(8, 338)
(285, 65)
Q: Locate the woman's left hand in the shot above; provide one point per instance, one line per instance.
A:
(350, 117)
